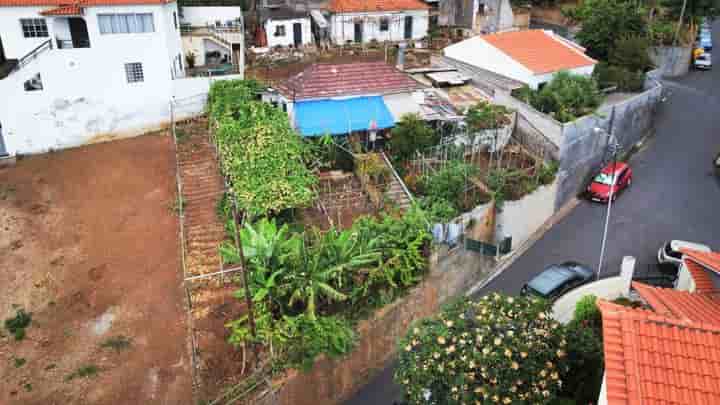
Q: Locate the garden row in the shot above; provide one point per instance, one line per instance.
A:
(307, 287)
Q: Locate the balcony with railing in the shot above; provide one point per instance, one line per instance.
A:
(12, 65)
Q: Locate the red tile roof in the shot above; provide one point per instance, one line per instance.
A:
(348, 6)
(538, 51)
(653, 359)
(710, 260)
(350, 79)
(73, 9)
(81, 3)
(682, 305)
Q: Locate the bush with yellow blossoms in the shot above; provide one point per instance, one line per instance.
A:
(497, 350)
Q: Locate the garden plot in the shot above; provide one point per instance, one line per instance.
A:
(89, 247)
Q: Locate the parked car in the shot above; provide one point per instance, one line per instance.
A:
(670, 251)
(706, 43)
(599, 188)
(716, 163)
(703, 61)
(557, 279)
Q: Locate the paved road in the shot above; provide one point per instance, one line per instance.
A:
(674, 195)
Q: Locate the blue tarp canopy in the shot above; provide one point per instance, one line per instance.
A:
(342, 116)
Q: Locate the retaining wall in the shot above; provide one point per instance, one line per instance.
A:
(673, 61)
(331, 381)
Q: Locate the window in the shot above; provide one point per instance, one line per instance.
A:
(280, 31)
(134, 72)
(34, 83)
(175, 19)
(180, 61)
(34, 27)
(384, 24)
(125, 23)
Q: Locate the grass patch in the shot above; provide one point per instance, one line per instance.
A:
(28, 387)
(176, 205)
(181, 135)
(116, 342)
(89, 370)
(17, 324)
(19, 362)
(50, 367)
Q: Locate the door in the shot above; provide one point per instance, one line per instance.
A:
(358, 32)
(297, 34)
(408, 27)
(79, 33)
(3, 151)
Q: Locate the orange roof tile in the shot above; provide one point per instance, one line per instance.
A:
(347, 6)
(538, 51)
(710, 260)
(82, 3)
(652, 359)
(696, 307)
(73, 9)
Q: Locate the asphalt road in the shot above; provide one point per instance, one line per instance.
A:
(674, 195)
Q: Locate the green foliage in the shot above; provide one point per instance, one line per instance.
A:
(625, 80)
(438, 210)
(603, 22)
(89, 370)
(409, 135)
(630, 52)
(17, 324)
(585, 363)
(661, 32)
(118, 343)
(500, 349)
(548, 172)
(311, 337)
(373, 166)
(694, 10)
(485, 115)
(566, 97)
(587, 312)
(19, 362)
(261, 155)
(448, 183)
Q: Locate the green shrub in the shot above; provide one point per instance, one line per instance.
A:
(585, 362)
(566, 97)
(587, 312)
(309, 338)
(410, 134)
(448, 183)
(630, 52)
(615, 76)
(17, 324)
(85, 371)
(438, 210)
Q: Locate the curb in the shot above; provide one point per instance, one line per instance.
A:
(508, 260)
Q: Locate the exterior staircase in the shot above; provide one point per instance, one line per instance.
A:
(397, 191)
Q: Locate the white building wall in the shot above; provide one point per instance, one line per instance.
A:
(342, 26)
(171, 24)
(14, 44)
(537, 80)
(85, 93)
(289, 37)
(203, 16)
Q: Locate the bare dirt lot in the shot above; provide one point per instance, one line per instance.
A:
(89, 245)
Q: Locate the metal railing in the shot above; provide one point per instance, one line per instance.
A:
(68, 43)
(32, 55)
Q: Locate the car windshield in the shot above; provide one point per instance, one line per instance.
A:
(604, 178)
(550, 280)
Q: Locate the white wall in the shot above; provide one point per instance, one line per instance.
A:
(202, 16)
(15, 45)
(343, 26)
(477, 52)
(289, 37)
(86, 95)
(685, 281)
(535, 81)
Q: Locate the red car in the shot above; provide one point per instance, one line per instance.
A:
(599, 189)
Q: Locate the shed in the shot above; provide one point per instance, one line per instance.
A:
(287, 27)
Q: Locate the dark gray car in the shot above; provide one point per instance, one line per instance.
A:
(557, 279)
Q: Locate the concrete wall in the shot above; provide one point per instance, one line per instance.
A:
(342, 26)
(333, 380)
(203, 16)
(582, 149)
(673, 61)
(289, 37)
(548, 126)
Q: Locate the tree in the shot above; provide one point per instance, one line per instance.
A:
(500, 349)
(602, 22)
(485, 115)
(411, 134)
(567, 96)
(631, 53)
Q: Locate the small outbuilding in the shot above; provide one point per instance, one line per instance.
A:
(532, 57)
(287, 27)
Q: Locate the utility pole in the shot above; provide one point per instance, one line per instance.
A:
(614, 148)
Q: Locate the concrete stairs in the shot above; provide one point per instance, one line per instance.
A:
(396, 191)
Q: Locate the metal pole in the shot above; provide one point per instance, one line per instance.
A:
(607, 217)
(239, 247)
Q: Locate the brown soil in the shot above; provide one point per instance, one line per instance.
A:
(89, 245)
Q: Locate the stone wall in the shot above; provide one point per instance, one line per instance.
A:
(673, 61)
(583, 150)
(332, 381)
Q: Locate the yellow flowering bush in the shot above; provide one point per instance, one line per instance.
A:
(497, 350)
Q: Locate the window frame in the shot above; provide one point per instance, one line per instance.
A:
(278, 29)
(384, 21)
(35, 79)
(133, 74)
(121, 20)
(33, 28)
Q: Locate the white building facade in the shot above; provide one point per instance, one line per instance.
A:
(362, 22)
(288, 31)
(213, 36)
(72, 75)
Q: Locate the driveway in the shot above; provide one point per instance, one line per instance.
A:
(674, 195)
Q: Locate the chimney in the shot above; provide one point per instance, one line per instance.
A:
(401, 56)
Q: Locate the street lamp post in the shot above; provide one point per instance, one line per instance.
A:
(613, 147)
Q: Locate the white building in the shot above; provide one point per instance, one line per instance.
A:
(531, 57)
(75, 74)
(213, 37)
(287, 27)
(367, 20)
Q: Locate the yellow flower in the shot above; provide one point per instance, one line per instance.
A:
(436, 355)
(441, 340)
(495, 398)
(549, 364)
(561, 353)
(514, 365)
(406, 382)
(554, 375)
(454, 389)
(511, 333)
(510, 300)
(543, 373)
(508, 353)
(449, 324)
(408, 348)
(471, 364)
(546, 393)
(541, 315)
(486, 350)
(498, 341)
(507, 400)
(416, 331)
(450, 349)
(523, 354)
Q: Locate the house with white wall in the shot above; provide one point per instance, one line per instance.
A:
(532, 57)
(285, 26)
(363, 21)
(88, 71)
(213, 38)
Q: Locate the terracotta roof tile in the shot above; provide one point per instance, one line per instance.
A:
(538, 51)
(710, 260)
(347, 6)
(659, 360)
(81, 3)
(73, 9)
(697, 307)
(350, 79)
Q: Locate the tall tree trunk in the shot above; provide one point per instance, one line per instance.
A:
(680, 20)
